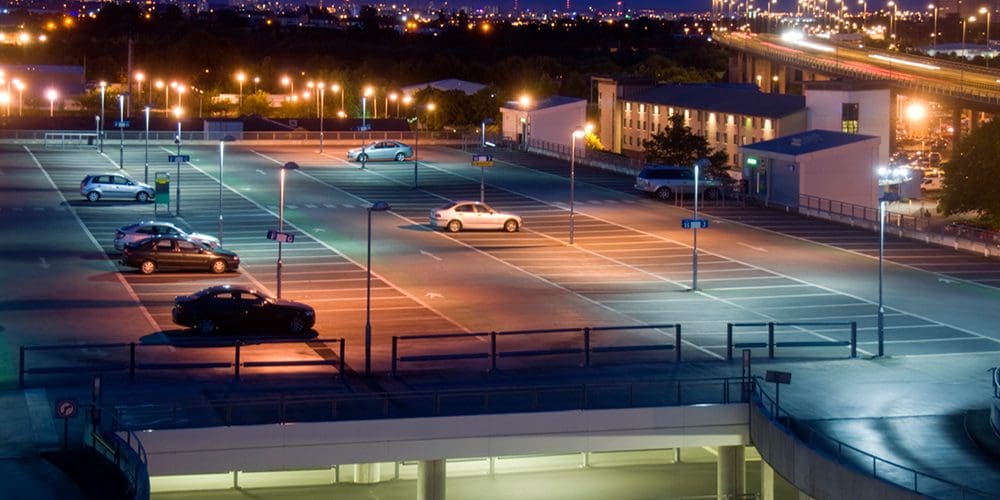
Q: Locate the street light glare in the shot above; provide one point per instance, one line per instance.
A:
(178, 112)
(916, 111)
(525, 100)
(431, 106)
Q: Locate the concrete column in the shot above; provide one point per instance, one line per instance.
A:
(731, 472)
(956, 123)
(367, 473)
(431, 480)
(766, 481)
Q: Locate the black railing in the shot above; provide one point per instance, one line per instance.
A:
(771, 343)
(120, 447)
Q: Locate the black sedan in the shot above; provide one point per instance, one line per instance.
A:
(236, 307)
(177, 252)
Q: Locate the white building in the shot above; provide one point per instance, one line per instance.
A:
(853, 107)
(547, 124)
(798, 169)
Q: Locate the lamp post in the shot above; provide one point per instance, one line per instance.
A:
(337, 88)
(935, 34)
(145, 174)
(525, 102)
(578, 133)
(166, 95)
(288, 82)
(970, 19)
(121, 130)
(52, 94)
(178, 113)
(239, 101)
(394, 97)
(100, 133)
(20, 96)
(892, 21)
(281, 214)
(378, 206)
(984, 10)
(139, 78)
(322, 101)
(222, 158)
(698, 165)
(256, 80)
(887, 177)
(364, 127)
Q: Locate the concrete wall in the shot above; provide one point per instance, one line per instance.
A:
(812, 472)
(322, 444)
(874, 113)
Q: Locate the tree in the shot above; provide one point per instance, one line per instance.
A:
(972, 178)
(677, 145)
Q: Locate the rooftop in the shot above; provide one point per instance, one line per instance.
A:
(548, 102)
(445, 85)
(744, 99)
(807, 142)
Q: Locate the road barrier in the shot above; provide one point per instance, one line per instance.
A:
(585, 348)
(132, 365)
(771, 344)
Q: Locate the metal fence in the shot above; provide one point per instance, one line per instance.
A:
(85, 138)
(771, 344)
(120, 447)
(858, 459)
(131, 364)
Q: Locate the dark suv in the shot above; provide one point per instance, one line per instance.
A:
(667, 180)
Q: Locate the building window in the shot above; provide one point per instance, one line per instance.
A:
(670, 111)
(718, 135)
(725, 137)
(628, 107)
(642, 108)
(729, 119)
(656, 110)
(767, 124)
(849, 117)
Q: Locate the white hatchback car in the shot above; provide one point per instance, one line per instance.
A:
(148, 228)
(459, 215)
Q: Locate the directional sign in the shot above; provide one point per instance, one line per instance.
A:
(66, 408)
(694, 223)
(280, 237)
(364, 128)
(178, 158)
(123, 123)
(482, 160)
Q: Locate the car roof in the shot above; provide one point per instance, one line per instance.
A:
(228, 288)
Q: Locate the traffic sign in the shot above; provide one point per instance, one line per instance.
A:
(694, 223)
(122, 123)
(280, 237)
(364, 128)
(482, 160)
(178, 158)
(66, 408)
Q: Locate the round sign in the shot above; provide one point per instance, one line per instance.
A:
(66, 408)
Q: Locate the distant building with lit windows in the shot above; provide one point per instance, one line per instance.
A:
(852, 106)
(726, 115)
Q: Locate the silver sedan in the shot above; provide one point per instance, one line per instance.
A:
(382, 150)
(460, 215)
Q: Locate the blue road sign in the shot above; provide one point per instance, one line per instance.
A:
(123, 123)
(282, 237)
(694, 223)
(178, 158)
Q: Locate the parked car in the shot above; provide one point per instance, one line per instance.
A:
(459, 215)
(149, 228)
(382, 150)
(114, 186)
(175, 252)
(237, 307)
(665, 181)
(934, 158)
(931, 183)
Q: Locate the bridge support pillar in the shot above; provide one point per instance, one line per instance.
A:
(956, 124)
(731, 472)
(766, 481)
(431, 479)
(367, 473)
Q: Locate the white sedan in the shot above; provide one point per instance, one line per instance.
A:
(147, 229)
(382, 150)
(459, 215)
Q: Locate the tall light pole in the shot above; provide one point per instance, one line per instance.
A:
(970, 19)
(378, 206)
(20, 96)
(139, 78)
(887, 177)
(935, 34)
(364, 127)
(987, 11)
(322, 103)
(281, 214)
(892, 21)
(222, 158)
(121, 130)
(394, 97)
(145, 175)
(166, 95)
(577, 134)
(288, 82)
(52, 94)
(337, 88)
(239, 101)
(698, 165)
(178, 113)
(864, 12)
(100, 133)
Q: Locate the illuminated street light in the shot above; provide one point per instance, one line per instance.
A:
(892, 20)
(121, 130)
(288, 82)
(934, 35)
(166, 96)
(52, 94)
(698, 165)
(394, 97)
(337, 88)
(970, 19)
(100, 132)
(378, 206)
(178, 113)
(577, 134)
(20, 96)
(281, 214)
(984, 10)
(139, 78)
(145, 175)
(416, 140)
(256, 81)
(240, 76)
(887, 177)
(5, 101)
(322, 104)
(222, 158)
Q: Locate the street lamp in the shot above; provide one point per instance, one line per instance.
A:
(222, 157)
(698, 165)
(935, 34)
(892, 20)
(322, 101)
(577, 134)
(121, 130)
(166, 95)
(378, 206)
(281, 214)
(970, 19)
(256, 80)
(145, 175)
(240, 76)
(52, 94)
(525, 102)
(288, 82)
(984, 10)
(336, 88)
(100, 132)
(887, 177)
(416, 140)
(20, 96)
(394, 97)
(364, 111)
(178, 113)
(139, 78)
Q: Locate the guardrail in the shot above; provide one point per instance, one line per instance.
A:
(419, 404)
(995, 407)
(771, 344)
(126, 453)
(585, 349)
(132, 136)
(131, 366)
(858, 459)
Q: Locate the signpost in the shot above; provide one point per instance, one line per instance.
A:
(66, 409)
(694, 223)
(482, 161)
(280, 236)
(161, 191)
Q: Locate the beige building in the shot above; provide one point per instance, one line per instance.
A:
(728, 116)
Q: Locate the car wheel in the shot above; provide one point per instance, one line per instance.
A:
(362, 157)
(510, 226)
(205, 326)
(712, 194)
(400, 157)
(142, 197)
(454, 226)
(93, 196)
(296, 325)
(147, 267)
(219, 266)
(664, 193)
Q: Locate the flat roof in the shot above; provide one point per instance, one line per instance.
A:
(743, 99)
(548, 102)
(806, 142)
